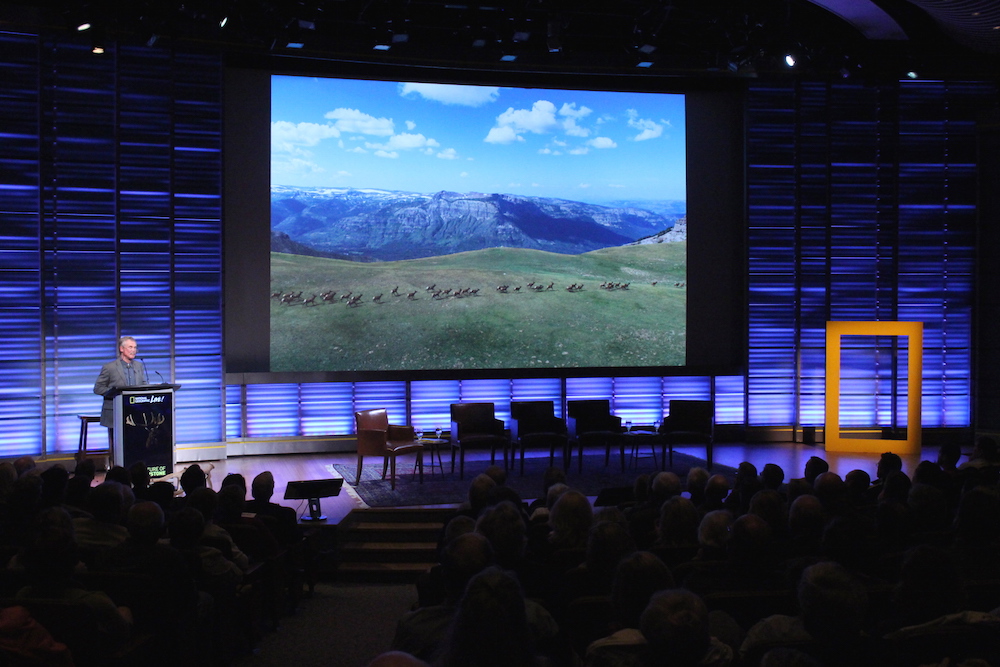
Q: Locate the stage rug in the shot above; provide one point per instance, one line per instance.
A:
(448, 489)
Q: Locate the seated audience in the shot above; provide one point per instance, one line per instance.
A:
(676, 629)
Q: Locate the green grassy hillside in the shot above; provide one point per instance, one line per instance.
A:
(639, 326)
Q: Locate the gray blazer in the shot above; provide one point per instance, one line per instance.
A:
(113, 375)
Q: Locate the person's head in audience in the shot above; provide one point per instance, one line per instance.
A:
(78, 491)
(928, 472)
(570, 520)
(892, 521)
(697, 478)
(463, 558)
(985, 450)
(637, 577)
(504, 493)
(145, 523)
(930, 586)
(138, 473)
(888, 463)
(831, 491)
(555, 492)
(186, 528)
(806, 518)
(106, 503)
(206, 501)
(832, 602)
(54, 481)
(193, 478)
(771, 476)
(85, 467)
(118, 474)
(678, 523)
(262, 487)
(770, 506)
(665, 485)
(24, 465)
(490, 626)
(716, 490)
(611, 513)
(50, 556)
(231, 503)
(750, 540)
(896, 487)
(949, 455)
(858, 481)
(396, 659)
(552, 475)
(503, 525)
(497, 473)
(675, 626)
(815, 466)
(607, 544)
(235, 479)
(162, 493)
(746, 475)
(459, 525)
(480, 490)
(713, 534)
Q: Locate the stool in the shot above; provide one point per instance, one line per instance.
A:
(85, 421)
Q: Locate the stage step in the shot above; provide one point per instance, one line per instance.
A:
(389, 545)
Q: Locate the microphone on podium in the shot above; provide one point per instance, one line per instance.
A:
(162, 381)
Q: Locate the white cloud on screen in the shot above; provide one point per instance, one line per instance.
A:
(648, 129)
(468, 96)
(448, 154)
(512, 123)
(287, 137)
(602, 142)
(357, 122)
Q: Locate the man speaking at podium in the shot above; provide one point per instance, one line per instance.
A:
(125, 371)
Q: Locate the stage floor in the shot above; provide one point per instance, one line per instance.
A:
(791, 457)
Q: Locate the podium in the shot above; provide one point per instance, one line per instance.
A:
(144, 427)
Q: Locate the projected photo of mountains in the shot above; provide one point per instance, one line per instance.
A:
(376, 275)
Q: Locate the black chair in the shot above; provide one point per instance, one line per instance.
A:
(591, 422)
(688, 422)
(473, 425)
(533, 423)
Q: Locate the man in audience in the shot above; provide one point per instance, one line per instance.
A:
(676, 629)
(282, 520)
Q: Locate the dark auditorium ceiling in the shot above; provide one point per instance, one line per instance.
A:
(679, 38)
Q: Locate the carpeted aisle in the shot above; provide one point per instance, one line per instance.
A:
(341, 625)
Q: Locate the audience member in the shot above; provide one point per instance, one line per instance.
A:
(676, 629)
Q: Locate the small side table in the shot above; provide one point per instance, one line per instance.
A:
(434, 446)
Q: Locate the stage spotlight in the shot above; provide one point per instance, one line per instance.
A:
(83, 27)
(96, 49)
(912, 74)
(508, 58)
(644, 63)
(790, 59)
(224, 21)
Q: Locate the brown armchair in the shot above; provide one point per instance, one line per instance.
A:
(474, 425)
(535, 423)
(377, 437)
(591, 422)
(689, 422)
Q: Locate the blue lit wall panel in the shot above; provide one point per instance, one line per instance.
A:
(327, 408)
(430, 401)
(89, 212)
(865, 210)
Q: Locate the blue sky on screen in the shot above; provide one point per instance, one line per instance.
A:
(581, 145)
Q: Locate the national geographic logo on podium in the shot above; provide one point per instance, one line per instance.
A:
(135, 400)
